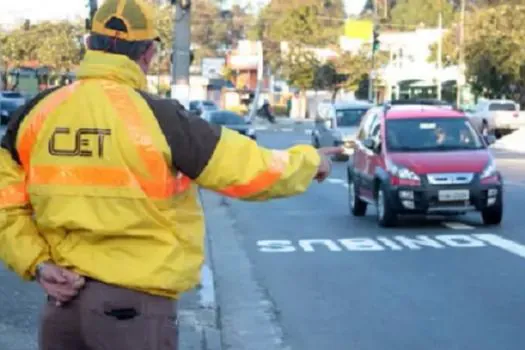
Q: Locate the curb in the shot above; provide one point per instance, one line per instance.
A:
(198, 321)
(247, 315)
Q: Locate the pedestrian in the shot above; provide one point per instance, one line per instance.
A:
(99, 192)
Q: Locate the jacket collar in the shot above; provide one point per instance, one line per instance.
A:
(118, 68)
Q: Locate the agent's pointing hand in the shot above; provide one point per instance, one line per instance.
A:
(325, 167)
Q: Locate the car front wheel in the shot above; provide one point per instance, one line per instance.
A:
(386, 216)
(492, 215)
(357, 206)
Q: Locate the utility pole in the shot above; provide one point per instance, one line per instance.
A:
(439, 55)
(375, 46)
(93, 6)
(180, 74)
(461, 63)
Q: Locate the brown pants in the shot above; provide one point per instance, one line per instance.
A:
(105, 317)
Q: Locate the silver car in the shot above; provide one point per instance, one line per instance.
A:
(336, 124)
(498, 116)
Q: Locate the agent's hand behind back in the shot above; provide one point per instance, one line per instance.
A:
(325, 167)
(60, 283)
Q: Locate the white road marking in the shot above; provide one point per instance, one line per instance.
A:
(379, 244)
(308, 244)
(503, 243)
(416, 242)
(308, 131)
(287, 129)
(334, 181)
(457, 226)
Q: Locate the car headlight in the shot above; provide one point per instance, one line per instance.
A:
(250, 132)
(401, 172)
(489, 171)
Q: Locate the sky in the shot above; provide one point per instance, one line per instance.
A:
(14, 11)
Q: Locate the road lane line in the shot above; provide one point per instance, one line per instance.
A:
(503, 243)
(457, 226)
(335, 181)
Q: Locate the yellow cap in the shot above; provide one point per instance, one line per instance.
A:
(137, 16)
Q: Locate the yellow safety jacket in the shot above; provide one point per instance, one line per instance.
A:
(102, 178)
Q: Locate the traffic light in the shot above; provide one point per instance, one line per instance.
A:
(375, 42)
(184, 4)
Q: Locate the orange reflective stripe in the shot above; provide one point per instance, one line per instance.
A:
(161, 183)
(264, 180)
(13, 195)
(258, 184)
(28, 138)
(82, 176)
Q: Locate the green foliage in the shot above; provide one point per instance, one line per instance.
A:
(304, 22)
(299, 67)
(412, 13)
(57, 45)
(494, 51)
(212, 30)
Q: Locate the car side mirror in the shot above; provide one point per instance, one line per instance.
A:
(490, 139)
(369, 143)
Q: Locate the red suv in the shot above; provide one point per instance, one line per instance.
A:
(422, 160)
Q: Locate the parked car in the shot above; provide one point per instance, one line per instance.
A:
(10, 101)
(230, 120)
(425, 160)
(336, 124)
(497, 116)
(196, 107)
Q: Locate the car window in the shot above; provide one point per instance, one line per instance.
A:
(350, 117)
(365, 124)
(12, 94)
(226, 118)
(431, 134)
(193, 105)
(502, 107)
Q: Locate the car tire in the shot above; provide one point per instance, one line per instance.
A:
(386, 216)
(357, 206)
(492, 216)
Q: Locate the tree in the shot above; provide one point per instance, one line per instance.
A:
(299, 67)
(410, 13)
(494, 51)
(56, 45)
(449, 49)
(304, 22)
(213, 30)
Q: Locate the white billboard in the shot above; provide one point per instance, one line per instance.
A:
(212, 67)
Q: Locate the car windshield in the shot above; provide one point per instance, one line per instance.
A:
(350, 117)
(502, 107)
(431, 134)
(11, 94)
(226, 118)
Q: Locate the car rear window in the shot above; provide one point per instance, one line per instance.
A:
(350, 117)
(502, 107)
(431, 134)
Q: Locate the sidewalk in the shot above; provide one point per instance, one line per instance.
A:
(197, 311)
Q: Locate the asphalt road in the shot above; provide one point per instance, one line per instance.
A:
(339, 282)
